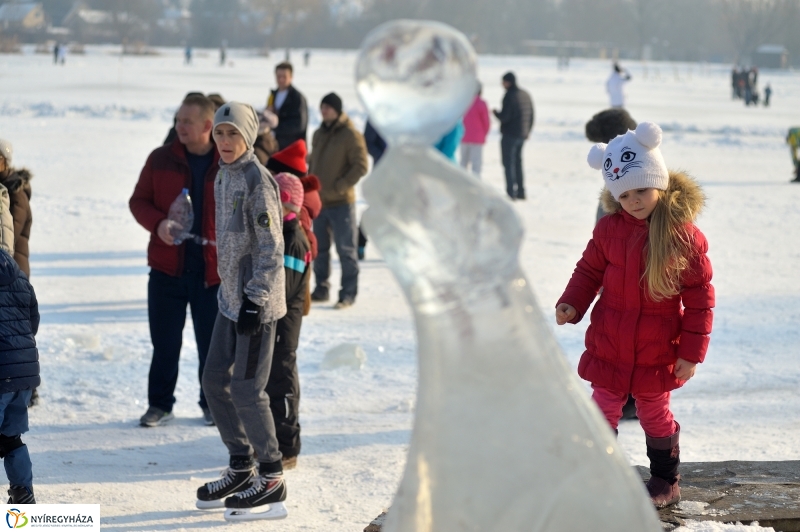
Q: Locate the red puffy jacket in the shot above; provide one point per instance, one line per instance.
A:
(164, 175)
(633, 342)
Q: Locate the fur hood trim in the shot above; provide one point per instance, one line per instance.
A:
(17, 178)
(689, 197)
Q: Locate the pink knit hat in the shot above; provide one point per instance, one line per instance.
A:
(291, 191)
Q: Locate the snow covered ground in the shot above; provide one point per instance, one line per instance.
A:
(85, 130)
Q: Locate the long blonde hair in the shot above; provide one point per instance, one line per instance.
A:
(670, 243)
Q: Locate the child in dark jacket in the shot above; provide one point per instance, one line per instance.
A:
(19, 375)
(283, 386)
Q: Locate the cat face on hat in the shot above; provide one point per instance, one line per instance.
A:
(632, 160)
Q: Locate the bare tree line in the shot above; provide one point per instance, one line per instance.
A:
(721, 30)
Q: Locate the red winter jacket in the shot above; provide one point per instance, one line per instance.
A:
(632, 343)
(164, 175)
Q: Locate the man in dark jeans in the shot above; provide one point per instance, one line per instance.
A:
(180, 274)
(516, 122)
(290, 106)
(339, 159)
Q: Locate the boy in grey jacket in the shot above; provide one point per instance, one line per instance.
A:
(251, 299)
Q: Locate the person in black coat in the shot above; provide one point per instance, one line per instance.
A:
(516, 122)
(290, 106)
(375, 147)
(283, 387)
(19, 375)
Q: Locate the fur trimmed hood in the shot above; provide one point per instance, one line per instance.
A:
(16, 178)
(689, 198)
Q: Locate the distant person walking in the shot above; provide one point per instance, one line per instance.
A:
(767, 94)
(615, 86)
(516, 122)
(290, 105)
(184, 274)
(55, 53)
(223, 53)
(476, 127)
(339, 159)
(187, 55)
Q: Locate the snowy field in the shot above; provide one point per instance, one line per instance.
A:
(85, 130)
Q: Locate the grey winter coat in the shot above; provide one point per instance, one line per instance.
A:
(249, 238)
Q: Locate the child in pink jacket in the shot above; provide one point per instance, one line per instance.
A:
(476, 127)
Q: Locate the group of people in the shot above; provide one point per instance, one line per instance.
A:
(744, 85)
(263, 210)
(264, 214)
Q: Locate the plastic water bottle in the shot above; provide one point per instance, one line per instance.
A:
(181, 217)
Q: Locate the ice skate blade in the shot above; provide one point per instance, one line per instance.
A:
(210, 505)
(276, 510)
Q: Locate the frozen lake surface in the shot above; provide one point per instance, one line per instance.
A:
(85, 130)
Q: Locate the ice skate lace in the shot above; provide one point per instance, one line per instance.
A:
(226, 480)
(257, 484)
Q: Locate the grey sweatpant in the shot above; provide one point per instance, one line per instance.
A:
(234, 382)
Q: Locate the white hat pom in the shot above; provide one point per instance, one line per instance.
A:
(648, 134)
(596, 154)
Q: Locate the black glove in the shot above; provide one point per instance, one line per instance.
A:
(249, 322)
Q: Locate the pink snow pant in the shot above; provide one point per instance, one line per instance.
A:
(652, 408)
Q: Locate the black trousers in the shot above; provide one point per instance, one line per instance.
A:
(167, 298)
(283, 386)
(511, 151)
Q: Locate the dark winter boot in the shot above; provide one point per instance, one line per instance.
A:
(21, 495)
(664, 455)
(234, 479)
(629, 409)
(320, 293)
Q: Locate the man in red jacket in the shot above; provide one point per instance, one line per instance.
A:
(179, 274)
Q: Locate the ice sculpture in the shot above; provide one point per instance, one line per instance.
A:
(504, 438)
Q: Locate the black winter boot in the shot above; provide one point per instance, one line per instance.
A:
(21, 495)
(664, 455)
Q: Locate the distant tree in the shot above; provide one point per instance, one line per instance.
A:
(278, 18)
(216, 20)
(132, 20)
(752, 23)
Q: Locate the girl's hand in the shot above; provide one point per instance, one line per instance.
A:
(565, 313)
(684, 370)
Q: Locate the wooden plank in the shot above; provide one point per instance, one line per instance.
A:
(727, 492)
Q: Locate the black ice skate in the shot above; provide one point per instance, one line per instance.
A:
(262, 500)
(235, 478)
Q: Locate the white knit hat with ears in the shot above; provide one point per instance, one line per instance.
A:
(6, 151)
(631, 161)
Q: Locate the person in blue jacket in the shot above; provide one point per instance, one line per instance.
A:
(448, 144)
(19, 375)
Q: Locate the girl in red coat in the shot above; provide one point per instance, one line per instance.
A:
(651, 325)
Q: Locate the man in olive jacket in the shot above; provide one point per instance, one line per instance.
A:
(339, 159)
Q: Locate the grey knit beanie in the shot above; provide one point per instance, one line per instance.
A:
(242, 116)
(6, 150)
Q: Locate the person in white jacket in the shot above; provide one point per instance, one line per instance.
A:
(615, 85)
